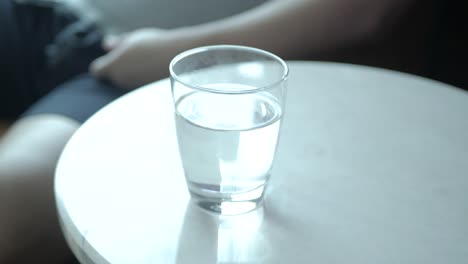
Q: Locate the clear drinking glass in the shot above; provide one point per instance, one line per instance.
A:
(229, 102)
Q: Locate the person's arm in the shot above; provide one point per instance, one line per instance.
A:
(292, 28)
(289, 28)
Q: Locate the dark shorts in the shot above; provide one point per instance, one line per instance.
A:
(44, 58)
(78, 98)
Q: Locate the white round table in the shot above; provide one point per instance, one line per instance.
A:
(372, 167)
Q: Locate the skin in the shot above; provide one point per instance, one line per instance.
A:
(29, 225)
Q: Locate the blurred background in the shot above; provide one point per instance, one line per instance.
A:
(125, 15)
(429, 40)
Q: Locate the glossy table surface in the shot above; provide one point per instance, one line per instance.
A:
(372, 167)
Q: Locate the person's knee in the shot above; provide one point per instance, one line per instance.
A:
(26, 200)
(28, 155)
(36, 141)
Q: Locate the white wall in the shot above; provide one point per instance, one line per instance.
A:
(123, 15)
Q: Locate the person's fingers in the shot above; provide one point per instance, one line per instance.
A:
(100, 66)
(113, 45)
(96, 67)
(114, 67)
(111, 42)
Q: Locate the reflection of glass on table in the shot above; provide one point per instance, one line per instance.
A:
(226, 239)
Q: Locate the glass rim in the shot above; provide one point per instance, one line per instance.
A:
(189, 52)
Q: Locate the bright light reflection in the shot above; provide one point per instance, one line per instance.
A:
(240, 239)
(253, 69)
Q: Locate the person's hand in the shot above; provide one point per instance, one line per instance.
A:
(136, 58)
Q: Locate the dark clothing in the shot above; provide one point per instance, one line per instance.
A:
(428, 39)
(45, 52)
(78, 98)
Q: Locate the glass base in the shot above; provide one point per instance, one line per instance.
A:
(228, 203)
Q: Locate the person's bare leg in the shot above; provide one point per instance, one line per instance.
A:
(29, 229)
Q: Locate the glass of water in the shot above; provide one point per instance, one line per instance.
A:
(229, 102)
